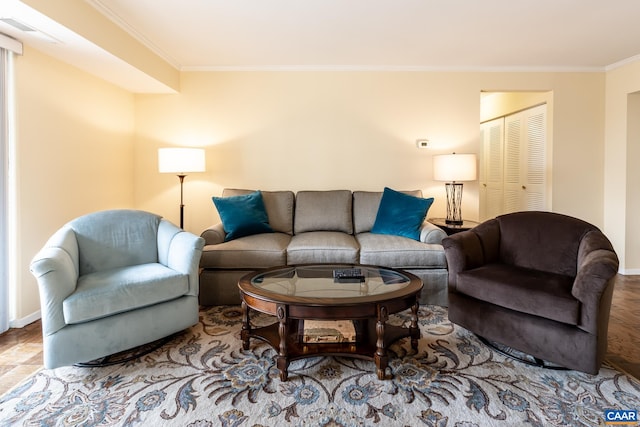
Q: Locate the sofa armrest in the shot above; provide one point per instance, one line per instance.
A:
(430, 233)
(214, 235)
(55, 267)
(180, 251)
(597, 267)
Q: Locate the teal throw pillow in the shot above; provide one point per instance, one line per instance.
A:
(400, 214)
(242, 215)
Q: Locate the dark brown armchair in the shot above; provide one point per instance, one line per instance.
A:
(537, 282)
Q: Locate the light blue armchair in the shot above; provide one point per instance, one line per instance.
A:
(114, 280)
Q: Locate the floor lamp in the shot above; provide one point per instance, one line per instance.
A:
(454, 168)
(180, 161)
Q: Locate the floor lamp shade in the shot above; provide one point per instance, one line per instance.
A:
(454, 168)
(181, 161)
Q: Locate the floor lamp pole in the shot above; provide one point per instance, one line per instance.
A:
(181, 177)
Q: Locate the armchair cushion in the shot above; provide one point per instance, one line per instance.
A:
(400, 214)
(115, 238)
(527, 291)
(108, 292)
(243, 215)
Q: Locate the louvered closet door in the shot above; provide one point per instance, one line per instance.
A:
(536, 168)
(491, 177)
(525, 160)
(513, 141)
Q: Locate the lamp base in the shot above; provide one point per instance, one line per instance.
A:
(454, 202)
(454, 221)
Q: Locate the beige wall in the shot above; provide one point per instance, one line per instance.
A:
(86, 145)
(355, 130)
(74, 155)
(622, 175)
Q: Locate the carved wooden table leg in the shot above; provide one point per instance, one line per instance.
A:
(282, 360)
(246, 326)
(380, 356)
(413, 328)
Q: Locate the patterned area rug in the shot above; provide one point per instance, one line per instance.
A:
(204, 378)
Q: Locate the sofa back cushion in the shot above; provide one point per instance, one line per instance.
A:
(365, 208)
(323, 211)
(115, 238)
(278, 204)
(542, 241)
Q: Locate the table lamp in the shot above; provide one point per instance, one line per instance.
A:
(180, 161)
(454, 168)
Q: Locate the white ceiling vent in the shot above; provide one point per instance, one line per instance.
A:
(17, 24)
(27, 29)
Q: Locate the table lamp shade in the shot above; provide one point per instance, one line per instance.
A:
(181, 160)
(454, 167)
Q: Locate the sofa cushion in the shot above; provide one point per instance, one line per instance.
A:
(323, 211)
(243, 215)
(322, 247)
(251, 252)
(278, 204)
(399, 252)
(365, 208)
(400, 214)
(529, 291)
(108, 292)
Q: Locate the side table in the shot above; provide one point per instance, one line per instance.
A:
(453, 228)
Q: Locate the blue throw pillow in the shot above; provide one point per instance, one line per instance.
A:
(400, 214)
(242, 215)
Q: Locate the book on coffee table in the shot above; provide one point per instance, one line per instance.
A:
(328, 331)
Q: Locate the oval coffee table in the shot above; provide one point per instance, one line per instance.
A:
(295, 294)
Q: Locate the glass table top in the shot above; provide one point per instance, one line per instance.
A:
(319, 281)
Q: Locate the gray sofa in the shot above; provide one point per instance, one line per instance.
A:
(319, 227)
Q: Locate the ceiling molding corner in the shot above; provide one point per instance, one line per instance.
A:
(116, 19)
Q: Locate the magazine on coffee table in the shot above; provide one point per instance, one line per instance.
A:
(328, 331)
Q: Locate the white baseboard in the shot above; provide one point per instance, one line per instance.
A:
(629, 271)
(21, 323)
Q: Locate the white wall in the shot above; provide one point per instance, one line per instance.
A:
(74, 155)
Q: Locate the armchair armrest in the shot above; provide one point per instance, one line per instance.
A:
(597, 266)
(430, 233)
(180, 251)
(463, 252)
(55, 267)
(214, 235)
(471, 249)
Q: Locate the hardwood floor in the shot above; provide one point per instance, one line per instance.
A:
(21, 349)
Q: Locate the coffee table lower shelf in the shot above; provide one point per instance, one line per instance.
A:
(366, 346)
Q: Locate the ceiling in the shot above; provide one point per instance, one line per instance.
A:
(448, 35)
